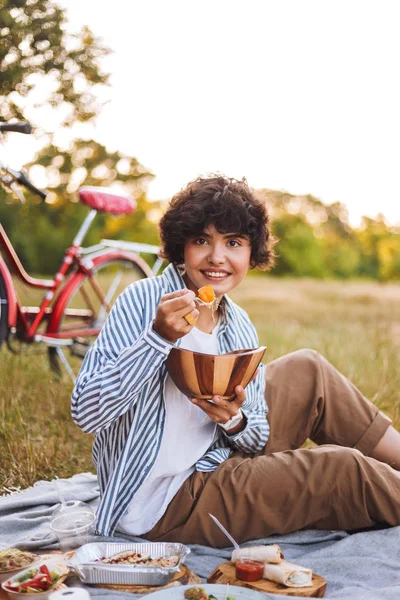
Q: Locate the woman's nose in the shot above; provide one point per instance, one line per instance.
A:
(216, 255)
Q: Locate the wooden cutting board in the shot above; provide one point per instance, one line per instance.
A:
(225, 573)
(184, 577)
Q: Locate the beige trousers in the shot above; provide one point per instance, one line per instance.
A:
(284, 487)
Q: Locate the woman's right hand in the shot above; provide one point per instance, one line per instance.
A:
(170, 322)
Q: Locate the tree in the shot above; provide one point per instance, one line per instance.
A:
(341, 252)
(299, 251)
(370, 235)
(341, 256)
(36, 47)
(389, 258)
(38, 53)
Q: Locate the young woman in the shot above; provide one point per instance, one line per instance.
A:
(165, 461)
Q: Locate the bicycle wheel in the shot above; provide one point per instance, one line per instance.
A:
(3, 310)
(85, 301)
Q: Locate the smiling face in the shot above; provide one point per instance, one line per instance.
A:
(218, 259)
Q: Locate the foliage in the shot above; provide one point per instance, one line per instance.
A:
(37, 54)
(316, 240)
(299, 251)
(389, 258)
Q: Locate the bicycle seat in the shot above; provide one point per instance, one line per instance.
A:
(106, 200)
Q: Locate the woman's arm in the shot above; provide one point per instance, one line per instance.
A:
(251, 434)
(126, 355)
(137, 337)
(254, 434)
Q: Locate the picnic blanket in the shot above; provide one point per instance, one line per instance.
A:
(357, 566)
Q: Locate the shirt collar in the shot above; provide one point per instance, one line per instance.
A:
(173, 278)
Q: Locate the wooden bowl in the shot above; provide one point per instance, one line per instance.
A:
(199, 375)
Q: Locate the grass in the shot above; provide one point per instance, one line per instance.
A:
(355, 325)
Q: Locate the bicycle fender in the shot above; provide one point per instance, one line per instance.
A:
(10, 293)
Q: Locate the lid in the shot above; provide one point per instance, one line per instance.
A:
(72, 515)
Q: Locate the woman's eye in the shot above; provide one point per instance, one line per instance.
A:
(233, 243)
(200, 241)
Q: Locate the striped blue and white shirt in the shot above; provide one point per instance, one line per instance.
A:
(118, 394)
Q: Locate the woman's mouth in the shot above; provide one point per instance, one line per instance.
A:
(215, 275)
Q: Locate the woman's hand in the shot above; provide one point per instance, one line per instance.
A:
(221, 411)
(169, 321)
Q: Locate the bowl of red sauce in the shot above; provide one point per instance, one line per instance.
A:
(248, 569)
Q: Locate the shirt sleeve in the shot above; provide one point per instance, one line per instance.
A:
(126, 355)
(256, 432)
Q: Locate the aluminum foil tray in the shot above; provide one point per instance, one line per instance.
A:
(85, 563)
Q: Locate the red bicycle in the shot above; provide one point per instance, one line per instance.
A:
(80, 295)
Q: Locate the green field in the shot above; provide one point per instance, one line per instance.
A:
(355, 325)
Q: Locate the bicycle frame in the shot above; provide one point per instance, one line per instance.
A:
(91, 256)
(11, 296)
(52, 285)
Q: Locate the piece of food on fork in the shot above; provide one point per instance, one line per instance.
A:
(205, 296)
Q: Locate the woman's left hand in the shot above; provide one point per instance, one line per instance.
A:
(220, 410)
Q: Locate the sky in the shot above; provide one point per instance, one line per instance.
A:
(295, 95)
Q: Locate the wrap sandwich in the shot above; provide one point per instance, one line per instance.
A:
(288, 574)
(267, 554)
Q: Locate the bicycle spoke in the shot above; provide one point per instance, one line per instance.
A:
(110, 294)
(99, 292)
(65, 362)
(87, 298)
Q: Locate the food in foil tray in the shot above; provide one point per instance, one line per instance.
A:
(128, 563)
(129, 557)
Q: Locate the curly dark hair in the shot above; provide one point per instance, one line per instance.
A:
(228, 204)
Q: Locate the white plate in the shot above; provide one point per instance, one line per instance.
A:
(178, 593)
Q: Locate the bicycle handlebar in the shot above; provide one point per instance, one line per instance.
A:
(23, 180)
(22, 127)
(20, 177)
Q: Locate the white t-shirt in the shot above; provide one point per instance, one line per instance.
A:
(188, 433)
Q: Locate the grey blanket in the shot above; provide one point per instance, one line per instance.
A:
(358, 566)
